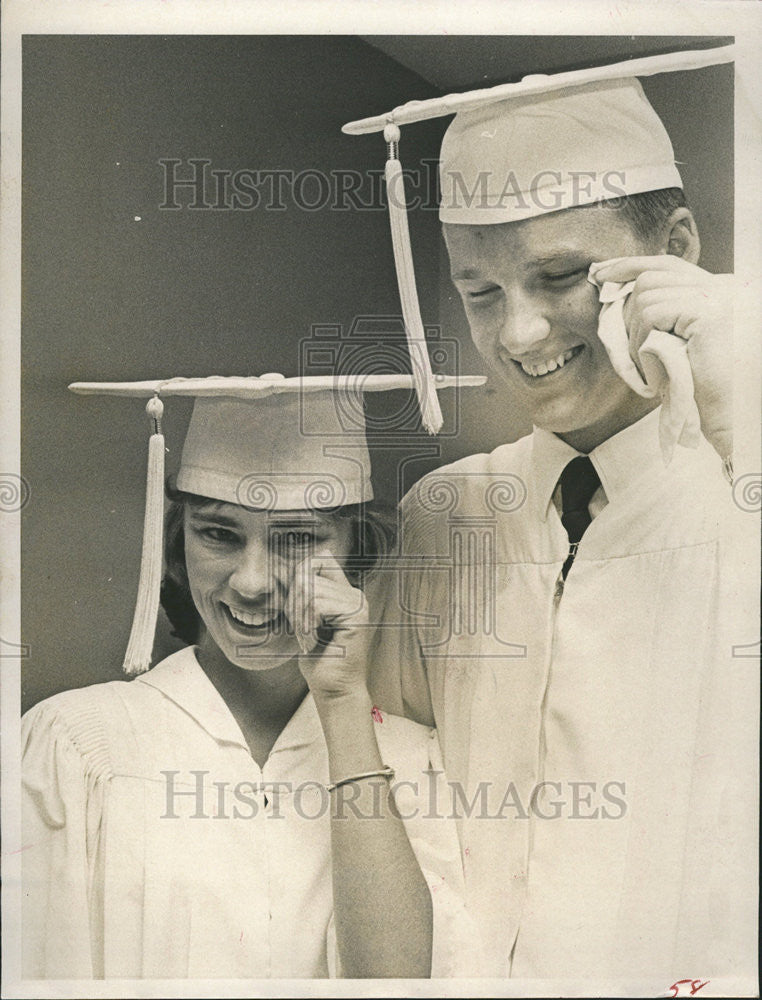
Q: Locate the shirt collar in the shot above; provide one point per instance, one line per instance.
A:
(181, 678)
(619, 461)
(302, 728)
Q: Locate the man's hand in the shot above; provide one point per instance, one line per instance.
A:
(673, 295)
(330, 619)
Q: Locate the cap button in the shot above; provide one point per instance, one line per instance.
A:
(273, 376)
(534, 78)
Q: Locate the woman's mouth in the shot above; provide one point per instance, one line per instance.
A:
(551, 365)
(259, 623)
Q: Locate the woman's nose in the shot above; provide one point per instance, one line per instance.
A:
(255, 574)
(524, 324)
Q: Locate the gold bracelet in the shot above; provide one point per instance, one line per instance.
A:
(385, 772)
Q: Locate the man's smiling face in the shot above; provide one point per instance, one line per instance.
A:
(534, 316)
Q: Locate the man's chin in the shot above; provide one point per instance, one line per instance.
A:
(574, 424)
(584, 435)
(559, 419)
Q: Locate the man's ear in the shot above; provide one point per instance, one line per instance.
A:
(680, 236)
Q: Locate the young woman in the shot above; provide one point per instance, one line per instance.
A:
(242, 809)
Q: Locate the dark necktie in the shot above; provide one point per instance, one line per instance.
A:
(579, 481)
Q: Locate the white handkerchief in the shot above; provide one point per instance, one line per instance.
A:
(664, 359)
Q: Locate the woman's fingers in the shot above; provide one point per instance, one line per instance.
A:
(299, 603)
(319, 595)
(329, 619)
(297, 610)
(327, 565)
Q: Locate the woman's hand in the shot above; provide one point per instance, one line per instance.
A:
(381, 901)
(330, 620)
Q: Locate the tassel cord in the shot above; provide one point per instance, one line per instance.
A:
(137, 658)
(423, 376)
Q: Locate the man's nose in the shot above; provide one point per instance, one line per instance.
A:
(255, 574)
(524, 323)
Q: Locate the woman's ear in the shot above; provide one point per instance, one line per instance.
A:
(680, 236)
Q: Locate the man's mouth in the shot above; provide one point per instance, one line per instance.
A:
(547, 366)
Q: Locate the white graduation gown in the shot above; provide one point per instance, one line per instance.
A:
(153, 853)
(621, 690)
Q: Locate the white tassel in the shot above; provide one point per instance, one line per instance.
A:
(137, 659)
(431, 414)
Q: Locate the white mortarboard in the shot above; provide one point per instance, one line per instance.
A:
(526, 156)
(541, 145)
(282, 451)
(268, 442)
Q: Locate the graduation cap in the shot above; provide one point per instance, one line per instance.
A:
(544, 144)
(267, 442)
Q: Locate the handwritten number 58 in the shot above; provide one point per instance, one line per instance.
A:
(695, 986)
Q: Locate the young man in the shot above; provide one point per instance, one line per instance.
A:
(565, 603)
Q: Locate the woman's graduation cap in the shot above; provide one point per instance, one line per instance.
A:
(543, 144)
(271, 442)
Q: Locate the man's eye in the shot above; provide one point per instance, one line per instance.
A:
(566, 277)
(481, 293)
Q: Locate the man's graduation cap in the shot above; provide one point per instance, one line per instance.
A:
(541, 145)
(271, 443)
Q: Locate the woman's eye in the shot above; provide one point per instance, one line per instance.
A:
(290, 540)
(218, 536)
(301, 538)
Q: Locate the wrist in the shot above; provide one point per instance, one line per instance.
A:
(353, 702)
(350, 737)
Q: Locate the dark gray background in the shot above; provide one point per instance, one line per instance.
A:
(106, 297)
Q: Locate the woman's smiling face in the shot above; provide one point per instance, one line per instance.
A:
(534, 316)
(240, 563)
